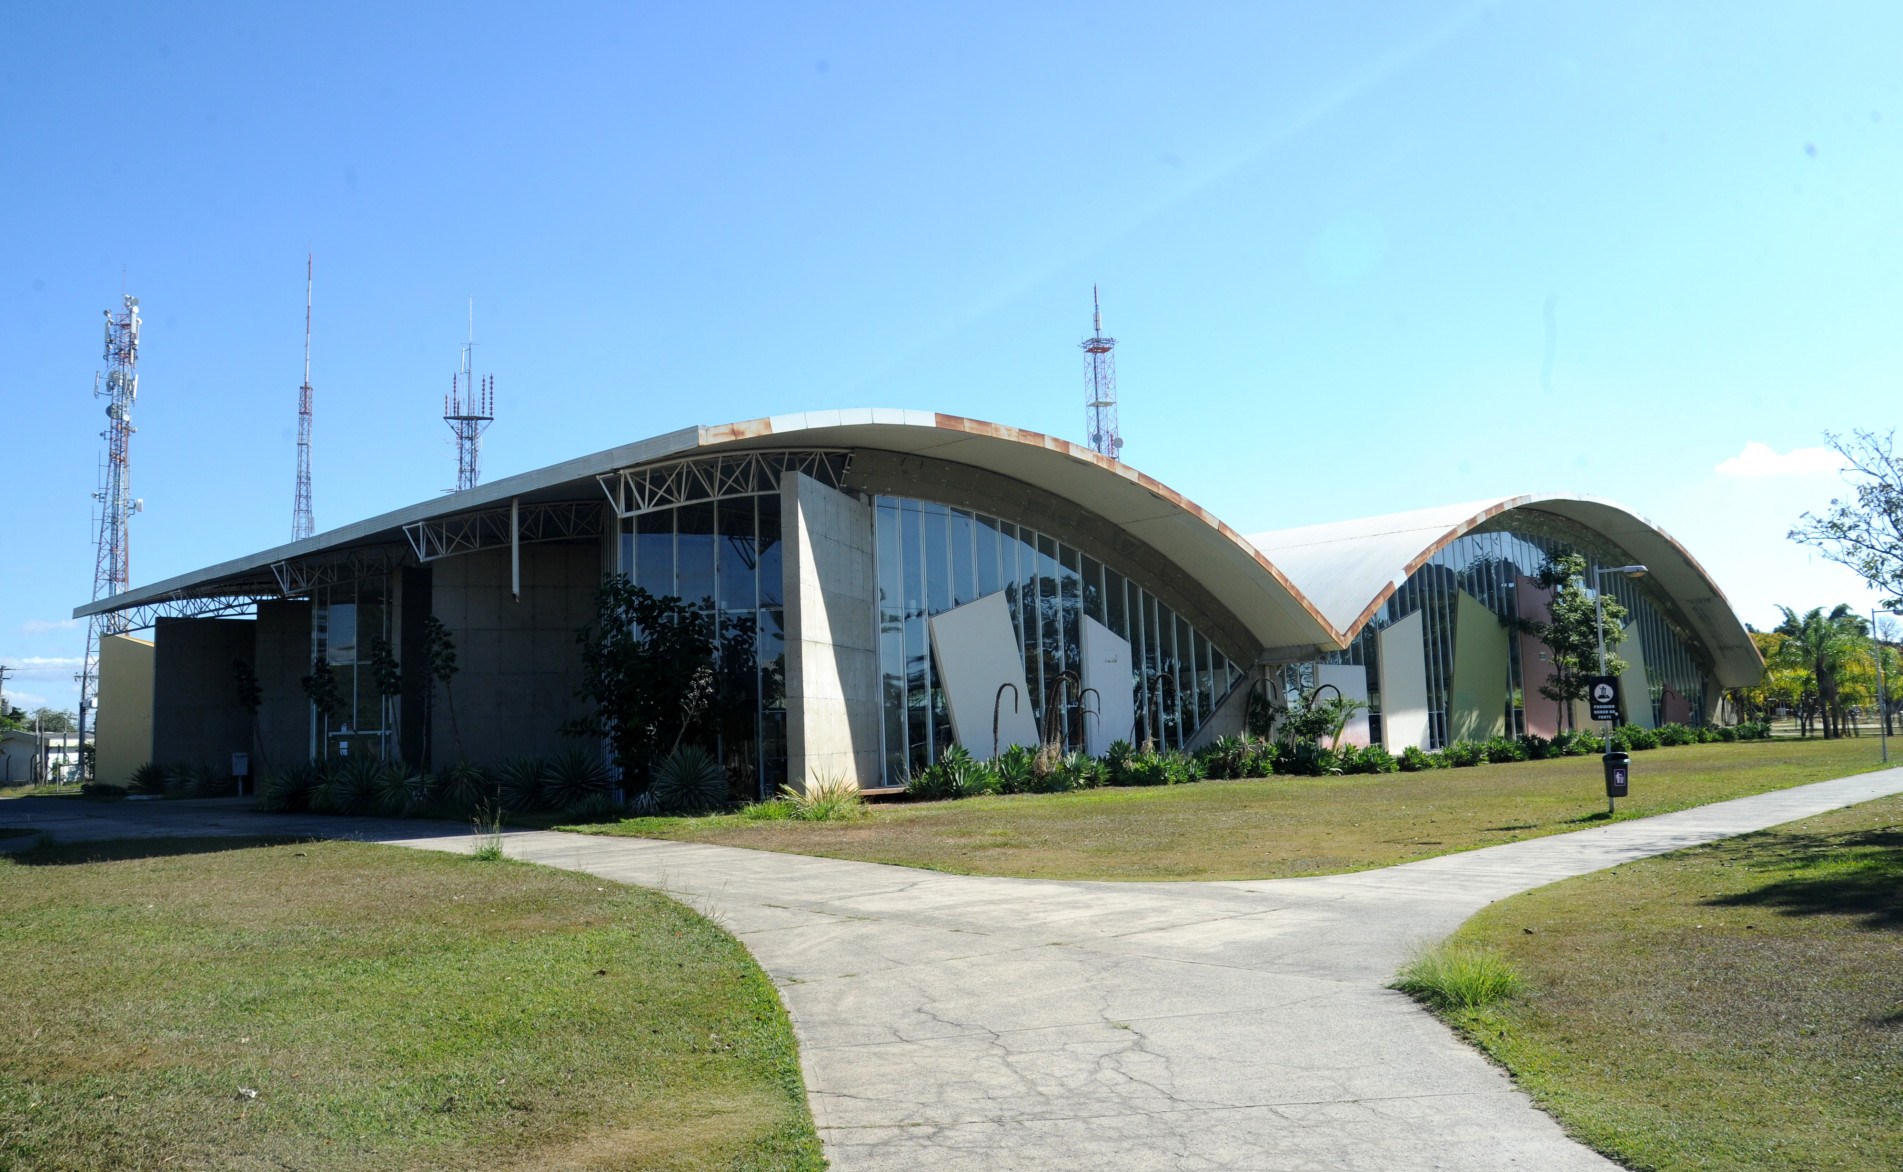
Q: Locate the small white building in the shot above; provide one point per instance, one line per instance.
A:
(27, 757)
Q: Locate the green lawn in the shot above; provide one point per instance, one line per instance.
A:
(1274, 827)
(240, 1004)
(1735, 1006)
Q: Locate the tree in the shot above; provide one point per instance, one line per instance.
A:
(54, 720)
(1864, 531)
(648, 669)
(1571, 632)
(439, 656)
(321, 687)
(1822, 644)
(387, 675)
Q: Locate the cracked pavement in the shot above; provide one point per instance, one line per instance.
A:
(953, 1022)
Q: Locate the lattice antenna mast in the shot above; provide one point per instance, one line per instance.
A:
(469, 409)
(112, 565)
(1100, 408)
(302, 525)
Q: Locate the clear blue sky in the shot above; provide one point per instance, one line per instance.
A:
(1361, 257)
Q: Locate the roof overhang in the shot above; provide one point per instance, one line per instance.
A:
(1349, 569)
(1230, 568)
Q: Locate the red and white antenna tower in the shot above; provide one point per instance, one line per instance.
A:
(469, 409)
(302, 525)
(1100, 409)
(112, 566)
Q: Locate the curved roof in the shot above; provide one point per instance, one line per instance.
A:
(1348, 569)
(1229, 567)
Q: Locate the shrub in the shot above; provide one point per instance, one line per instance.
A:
(688, 780)
(1084, 771)
(352, 787)
(1015, 769)
(100, 789)
(1260, 761)
(1415, 759)
(1725, 733)
(148, 778)
(601, 807)
(576, 774)
(1755, 730)
(1536, 747)
(401, 790)
(1139, 769)
(827, 799)
(180, 781)
(1224, 757)
(1634, 739)
(1368, 759)
(1304, 758)
(1451, 977)
(287, 791)
(521, 782)
(1707, 734)
(462, 787)
(1672, 734)
(1464, 753)
(1500, 750)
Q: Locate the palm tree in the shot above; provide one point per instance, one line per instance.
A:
(1822, 644)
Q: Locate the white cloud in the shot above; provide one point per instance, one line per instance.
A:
(41, 666)
(1763, 460)
(37, 626)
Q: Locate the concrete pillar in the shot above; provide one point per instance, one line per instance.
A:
(832, 660)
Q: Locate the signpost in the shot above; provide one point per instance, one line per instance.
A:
(1603, 694)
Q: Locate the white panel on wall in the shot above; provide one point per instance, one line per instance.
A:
(978, 652)
(1403, 685)
(1108, 669)
(1633, 690)
(1353, 682)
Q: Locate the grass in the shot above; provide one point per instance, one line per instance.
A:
(1734, 1006)
(244, 1004)
(1455, 978)
(1276, 827)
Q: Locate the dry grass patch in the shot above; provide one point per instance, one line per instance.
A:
(1275, 827)
(239, 1004)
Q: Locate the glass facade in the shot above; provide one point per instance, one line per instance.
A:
(723, 556)
(1494, 566)
(934, 557)
(346, 620)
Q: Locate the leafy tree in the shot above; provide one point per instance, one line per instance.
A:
(14, 718)
(648, 668)
(1823, 645)
(54, 720)
(1864, 531)
(439, 656)
(1571, 632)
(386, 674)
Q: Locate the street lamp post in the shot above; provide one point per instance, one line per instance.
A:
(1599, 629)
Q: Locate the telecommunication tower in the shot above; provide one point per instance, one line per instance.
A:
(1100, 409)
(469, 409)
(112, 567)
(302, 525)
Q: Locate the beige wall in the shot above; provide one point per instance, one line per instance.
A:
(123, 739)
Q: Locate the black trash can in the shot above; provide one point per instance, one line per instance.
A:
(1618, 773)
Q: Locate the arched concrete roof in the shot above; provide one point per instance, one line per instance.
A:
(1233, 571)
(1348, 569)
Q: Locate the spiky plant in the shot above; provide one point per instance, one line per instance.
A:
(576, 774)
(401, 790)
(462, 787)
(354, 785)
(522, 782)
(688, 780)
(148, 778)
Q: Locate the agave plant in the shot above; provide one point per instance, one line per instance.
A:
(354, 786)
(148, 778)
(523, 783)
(287, 791)
(576, 774)
(401, 790)
(1014, 768)
(181, 781)
(462, 787)
(688, 781)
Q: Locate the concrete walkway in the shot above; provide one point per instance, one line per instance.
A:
(966, 1022)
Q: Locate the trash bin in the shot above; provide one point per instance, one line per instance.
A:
(1618, 773)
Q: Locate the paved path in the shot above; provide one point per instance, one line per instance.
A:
(960, 1022)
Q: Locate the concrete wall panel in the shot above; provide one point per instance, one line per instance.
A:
(196, 718)
(832, 661)
(1110, 669)
(978, 653)
(1403, 685)
(1479, 689)
(1352, 679)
